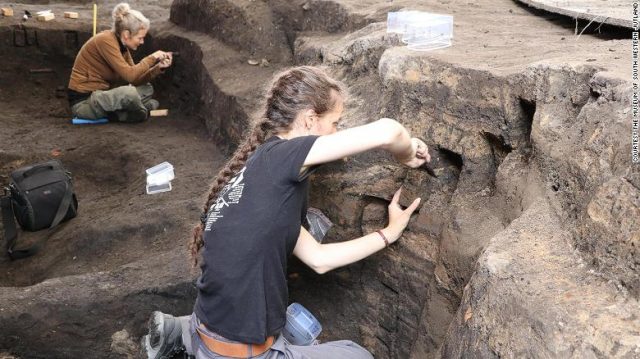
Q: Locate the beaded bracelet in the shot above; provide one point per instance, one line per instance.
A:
(384, 238)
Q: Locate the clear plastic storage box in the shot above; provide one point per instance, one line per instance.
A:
(421, 30)
(159, 178)
(301, 328)
(160, 174)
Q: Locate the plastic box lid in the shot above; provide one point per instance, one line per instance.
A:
(160, 174)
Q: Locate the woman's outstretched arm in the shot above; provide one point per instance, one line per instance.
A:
(325, 257)
(385, 133)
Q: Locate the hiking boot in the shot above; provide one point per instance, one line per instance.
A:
(113, 117)
(139, 115)
(152, 104)
(164, 340)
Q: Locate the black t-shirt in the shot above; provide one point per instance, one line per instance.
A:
(250, 231)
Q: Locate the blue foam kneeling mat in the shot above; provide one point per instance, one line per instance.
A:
(84, 121)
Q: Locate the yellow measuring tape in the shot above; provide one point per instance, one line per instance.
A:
(95, 18)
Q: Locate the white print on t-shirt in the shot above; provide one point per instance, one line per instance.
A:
(230, 194)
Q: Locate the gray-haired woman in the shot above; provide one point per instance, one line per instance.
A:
(104, 64)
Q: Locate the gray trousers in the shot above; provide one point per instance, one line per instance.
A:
(127, 103)
(340, 349)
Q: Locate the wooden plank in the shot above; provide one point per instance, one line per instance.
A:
(46, 17)
(7, 11)
(157, 113)
(71, 14)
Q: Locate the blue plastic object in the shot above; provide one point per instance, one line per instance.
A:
(84, 121)
(302, 328)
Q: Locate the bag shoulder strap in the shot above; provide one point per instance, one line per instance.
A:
(64, 205)
(11, 233)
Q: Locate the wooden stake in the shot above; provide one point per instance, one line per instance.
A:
(95, 19)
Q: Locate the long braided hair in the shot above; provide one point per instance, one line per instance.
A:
(292, 91)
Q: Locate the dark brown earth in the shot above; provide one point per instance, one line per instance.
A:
(526, 242)
(118, 222)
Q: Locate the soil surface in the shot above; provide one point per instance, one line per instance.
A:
(117, 222)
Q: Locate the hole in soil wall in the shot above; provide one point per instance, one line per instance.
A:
(594, 94)
(528, 109)
(452, 158)
(498, 145)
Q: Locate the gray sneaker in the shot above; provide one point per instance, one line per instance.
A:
(164, 340)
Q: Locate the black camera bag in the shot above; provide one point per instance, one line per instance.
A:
(39, 196)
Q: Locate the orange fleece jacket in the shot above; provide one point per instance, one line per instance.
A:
(101, 64)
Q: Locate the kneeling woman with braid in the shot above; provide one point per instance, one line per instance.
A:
(252, 223)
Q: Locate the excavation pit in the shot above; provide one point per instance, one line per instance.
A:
(515, 231)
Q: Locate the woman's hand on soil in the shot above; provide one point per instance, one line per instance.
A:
(161, 55)
(165, 63)
(420, 154)
(398, 217)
